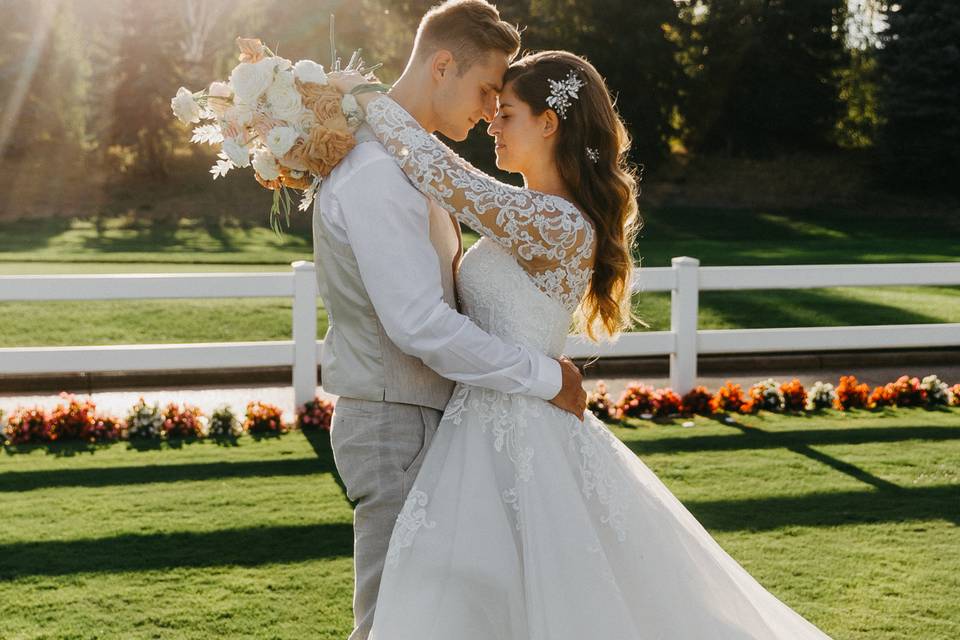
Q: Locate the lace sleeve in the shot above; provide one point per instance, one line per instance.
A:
(547, 234)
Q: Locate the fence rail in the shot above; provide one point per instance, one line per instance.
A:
(683, 342)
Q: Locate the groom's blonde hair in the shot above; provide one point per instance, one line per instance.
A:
(468, 29)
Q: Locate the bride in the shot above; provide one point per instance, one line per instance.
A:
(524, 521)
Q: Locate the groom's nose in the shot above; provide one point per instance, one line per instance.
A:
(489, 108)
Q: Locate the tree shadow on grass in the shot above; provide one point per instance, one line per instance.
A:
(831, 509)
(319, 440)
(793, 308)
(242, 547)
(15, 481)
(752, 438)
(887, 502)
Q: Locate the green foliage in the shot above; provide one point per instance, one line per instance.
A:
(764, 74)
(634, 47)
(919, 141)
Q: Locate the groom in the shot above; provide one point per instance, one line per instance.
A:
(386, 257)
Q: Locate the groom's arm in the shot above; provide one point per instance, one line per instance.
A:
(387, 222)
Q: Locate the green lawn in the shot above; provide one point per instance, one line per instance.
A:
(125, 244)
(851, 519)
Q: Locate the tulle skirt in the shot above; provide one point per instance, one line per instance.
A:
(525, 523)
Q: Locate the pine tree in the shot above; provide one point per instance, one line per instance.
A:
(766, 75)
(919, 139)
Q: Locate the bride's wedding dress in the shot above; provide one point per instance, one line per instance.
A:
(524, 522)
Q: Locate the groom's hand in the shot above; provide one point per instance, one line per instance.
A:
(572, 398)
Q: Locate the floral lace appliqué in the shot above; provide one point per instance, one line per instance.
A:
(547, 234)
(412, 517)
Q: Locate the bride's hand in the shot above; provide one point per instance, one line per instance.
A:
(345, 81)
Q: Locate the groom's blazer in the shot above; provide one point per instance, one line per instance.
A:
(386, 256)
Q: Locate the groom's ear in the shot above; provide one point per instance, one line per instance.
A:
(441, 64)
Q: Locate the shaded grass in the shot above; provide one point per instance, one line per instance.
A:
(850, 518)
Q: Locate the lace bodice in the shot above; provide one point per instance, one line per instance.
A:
(547, 235)
(502, 300)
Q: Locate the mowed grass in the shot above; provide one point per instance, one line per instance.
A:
(126, 244)
(851, 519)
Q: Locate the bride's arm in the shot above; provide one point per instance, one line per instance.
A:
(546, 233)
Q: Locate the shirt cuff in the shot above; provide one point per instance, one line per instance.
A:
(549, 379)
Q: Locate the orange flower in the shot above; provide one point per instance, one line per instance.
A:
(268, 184)
(851, 393)
(288, 180)
(325, 148)
(251, 49)
(324, 101)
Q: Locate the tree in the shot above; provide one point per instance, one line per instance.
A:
(920, 95)
(633, 45)
(765, 74)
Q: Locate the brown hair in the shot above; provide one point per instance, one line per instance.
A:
(469, 29)
(605, 189)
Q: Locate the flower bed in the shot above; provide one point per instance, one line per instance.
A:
(642, 401)
(79, 421)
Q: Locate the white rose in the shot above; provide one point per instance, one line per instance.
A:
(283, 99)
(238, 154)
(282, 63)
(250, 80)
(309, 71)
(280, 139)
(265, 165)
(185, 107)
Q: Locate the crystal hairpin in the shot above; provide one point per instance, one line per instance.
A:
(562, 91)
(593, 154)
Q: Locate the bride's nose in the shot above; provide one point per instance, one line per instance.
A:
(494, 127)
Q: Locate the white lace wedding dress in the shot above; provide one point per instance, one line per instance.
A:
(525, 523)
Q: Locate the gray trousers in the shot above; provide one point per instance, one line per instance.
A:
(378, 448)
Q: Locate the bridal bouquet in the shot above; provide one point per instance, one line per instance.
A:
(284, 119)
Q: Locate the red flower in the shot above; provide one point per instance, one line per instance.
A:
(697, 400)
(636, 400)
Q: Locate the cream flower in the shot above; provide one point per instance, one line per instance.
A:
(280, 139)
(219, 98)
(250, 80)
(309, 71)
(185, 107)
(283, 99)
(239, 155)
(265, 164)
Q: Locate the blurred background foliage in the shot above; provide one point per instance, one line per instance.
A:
(848, 97)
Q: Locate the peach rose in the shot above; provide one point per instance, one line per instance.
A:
(251, 49)
(323, 101)
(325, 148)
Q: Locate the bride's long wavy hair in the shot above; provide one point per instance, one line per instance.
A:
(602, 180)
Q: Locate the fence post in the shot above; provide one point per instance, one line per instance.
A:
(683, 324)
(304, 331)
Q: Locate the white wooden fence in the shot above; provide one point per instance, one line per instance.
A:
(683, 342)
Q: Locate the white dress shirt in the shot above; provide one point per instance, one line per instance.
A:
(369, 203)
